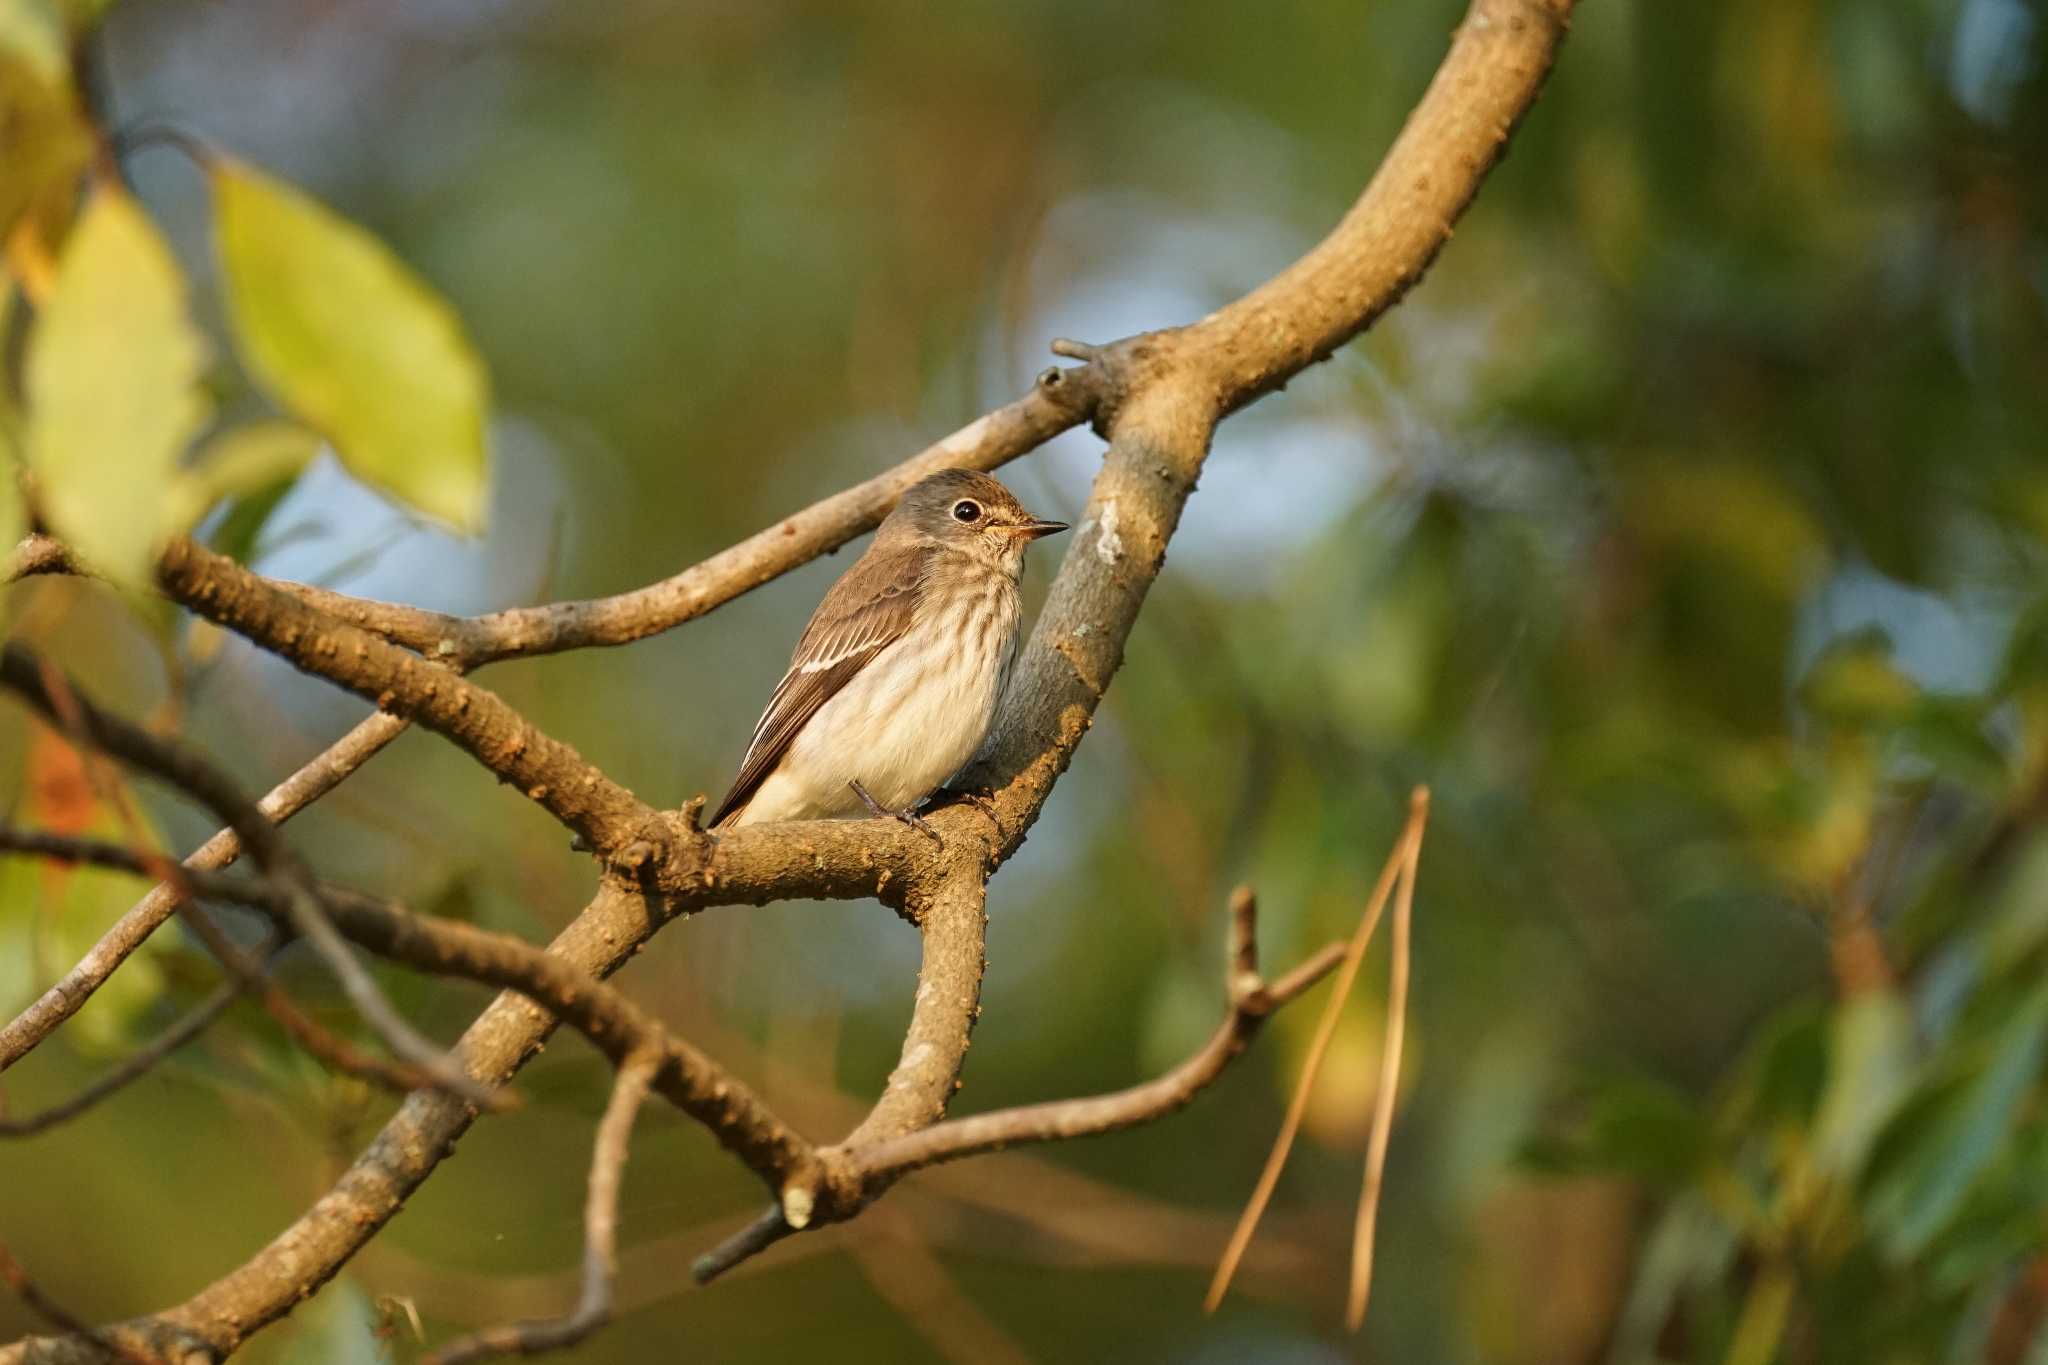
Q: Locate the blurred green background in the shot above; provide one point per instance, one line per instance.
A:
(1686, 532)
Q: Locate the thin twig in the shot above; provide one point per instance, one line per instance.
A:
(869, 1167)
(620, 1029)
(1326, 1029)
(30, 1293)
(19, 1036)
(23, 672)
(600, 1236)
(1390, 1077)
(195, 1022)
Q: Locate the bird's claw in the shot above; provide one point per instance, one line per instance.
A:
(981, 801)
(908, 817)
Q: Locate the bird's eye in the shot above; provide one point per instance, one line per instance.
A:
(966, 510)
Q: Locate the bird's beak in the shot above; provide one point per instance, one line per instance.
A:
(1032, 530)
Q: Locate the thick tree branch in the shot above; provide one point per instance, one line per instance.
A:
(1061, 399)
(549, 772)
(1158, 398)
(862, 1167)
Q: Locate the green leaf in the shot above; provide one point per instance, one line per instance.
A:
(345, 338)
(1635, 1125)
(1922, 1187)
(239, 463)
(1870, 1072)
(114, 396)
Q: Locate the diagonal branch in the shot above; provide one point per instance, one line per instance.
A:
(20, 1035)
(862, 1168)
(606, 1016)
(23, 673)
(1158, 398)
(479, 722)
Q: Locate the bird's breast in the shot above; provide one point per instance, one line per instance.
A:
(919, 712)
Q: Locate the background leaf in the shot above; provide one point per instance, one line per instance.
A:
(44, 144)
(343, 336)
(33, 30)
(113, 389)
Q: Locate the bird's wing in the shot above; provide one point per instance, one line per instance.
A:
(866, 611)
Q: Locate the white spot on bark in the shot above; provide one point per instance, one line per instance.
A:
(1109, 543)
(913, 1059)
(797, 1204)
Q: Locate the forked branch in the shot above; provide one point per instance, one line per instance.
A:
(1158, 399)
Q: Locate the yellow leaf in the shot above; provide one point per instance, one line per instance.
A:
(44, 144)
(33, 30)
(113, 389)
(348, 340)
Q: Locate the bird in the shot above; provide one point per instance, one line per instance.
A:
(895, 682)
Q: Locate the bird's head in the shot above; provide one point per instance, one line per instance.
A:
(970, 513)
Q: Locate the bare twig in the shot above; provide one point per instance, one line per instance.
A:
(1250, 1002)
(611, 1021)
(1390, 1075)
(23, 672)
(195, 1022)
(29, 1292)
(64, 998)
(600, 1236)
(860, 1169)
(1326, 1028)
(1157, 398)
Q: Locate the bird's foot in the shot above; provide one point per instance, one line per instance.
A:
(880, 811)
(983, 801)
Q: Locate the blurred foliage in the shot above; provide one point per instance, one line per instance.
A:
(1687, 532)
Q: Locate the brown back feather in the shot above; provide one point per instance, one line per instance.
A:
(867, 610)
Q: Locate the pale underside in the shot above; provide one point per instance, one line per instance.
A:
(908, 720)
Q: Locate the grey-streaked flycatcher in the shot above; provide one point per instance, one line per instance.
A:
(894, 686)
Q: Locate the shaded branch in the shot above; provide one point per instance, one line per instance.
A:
(862, 1169)
(1157, 398)
(29, 1292)
(70, 992)
(23, 673)
(616, 1026)
(195, 1022)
